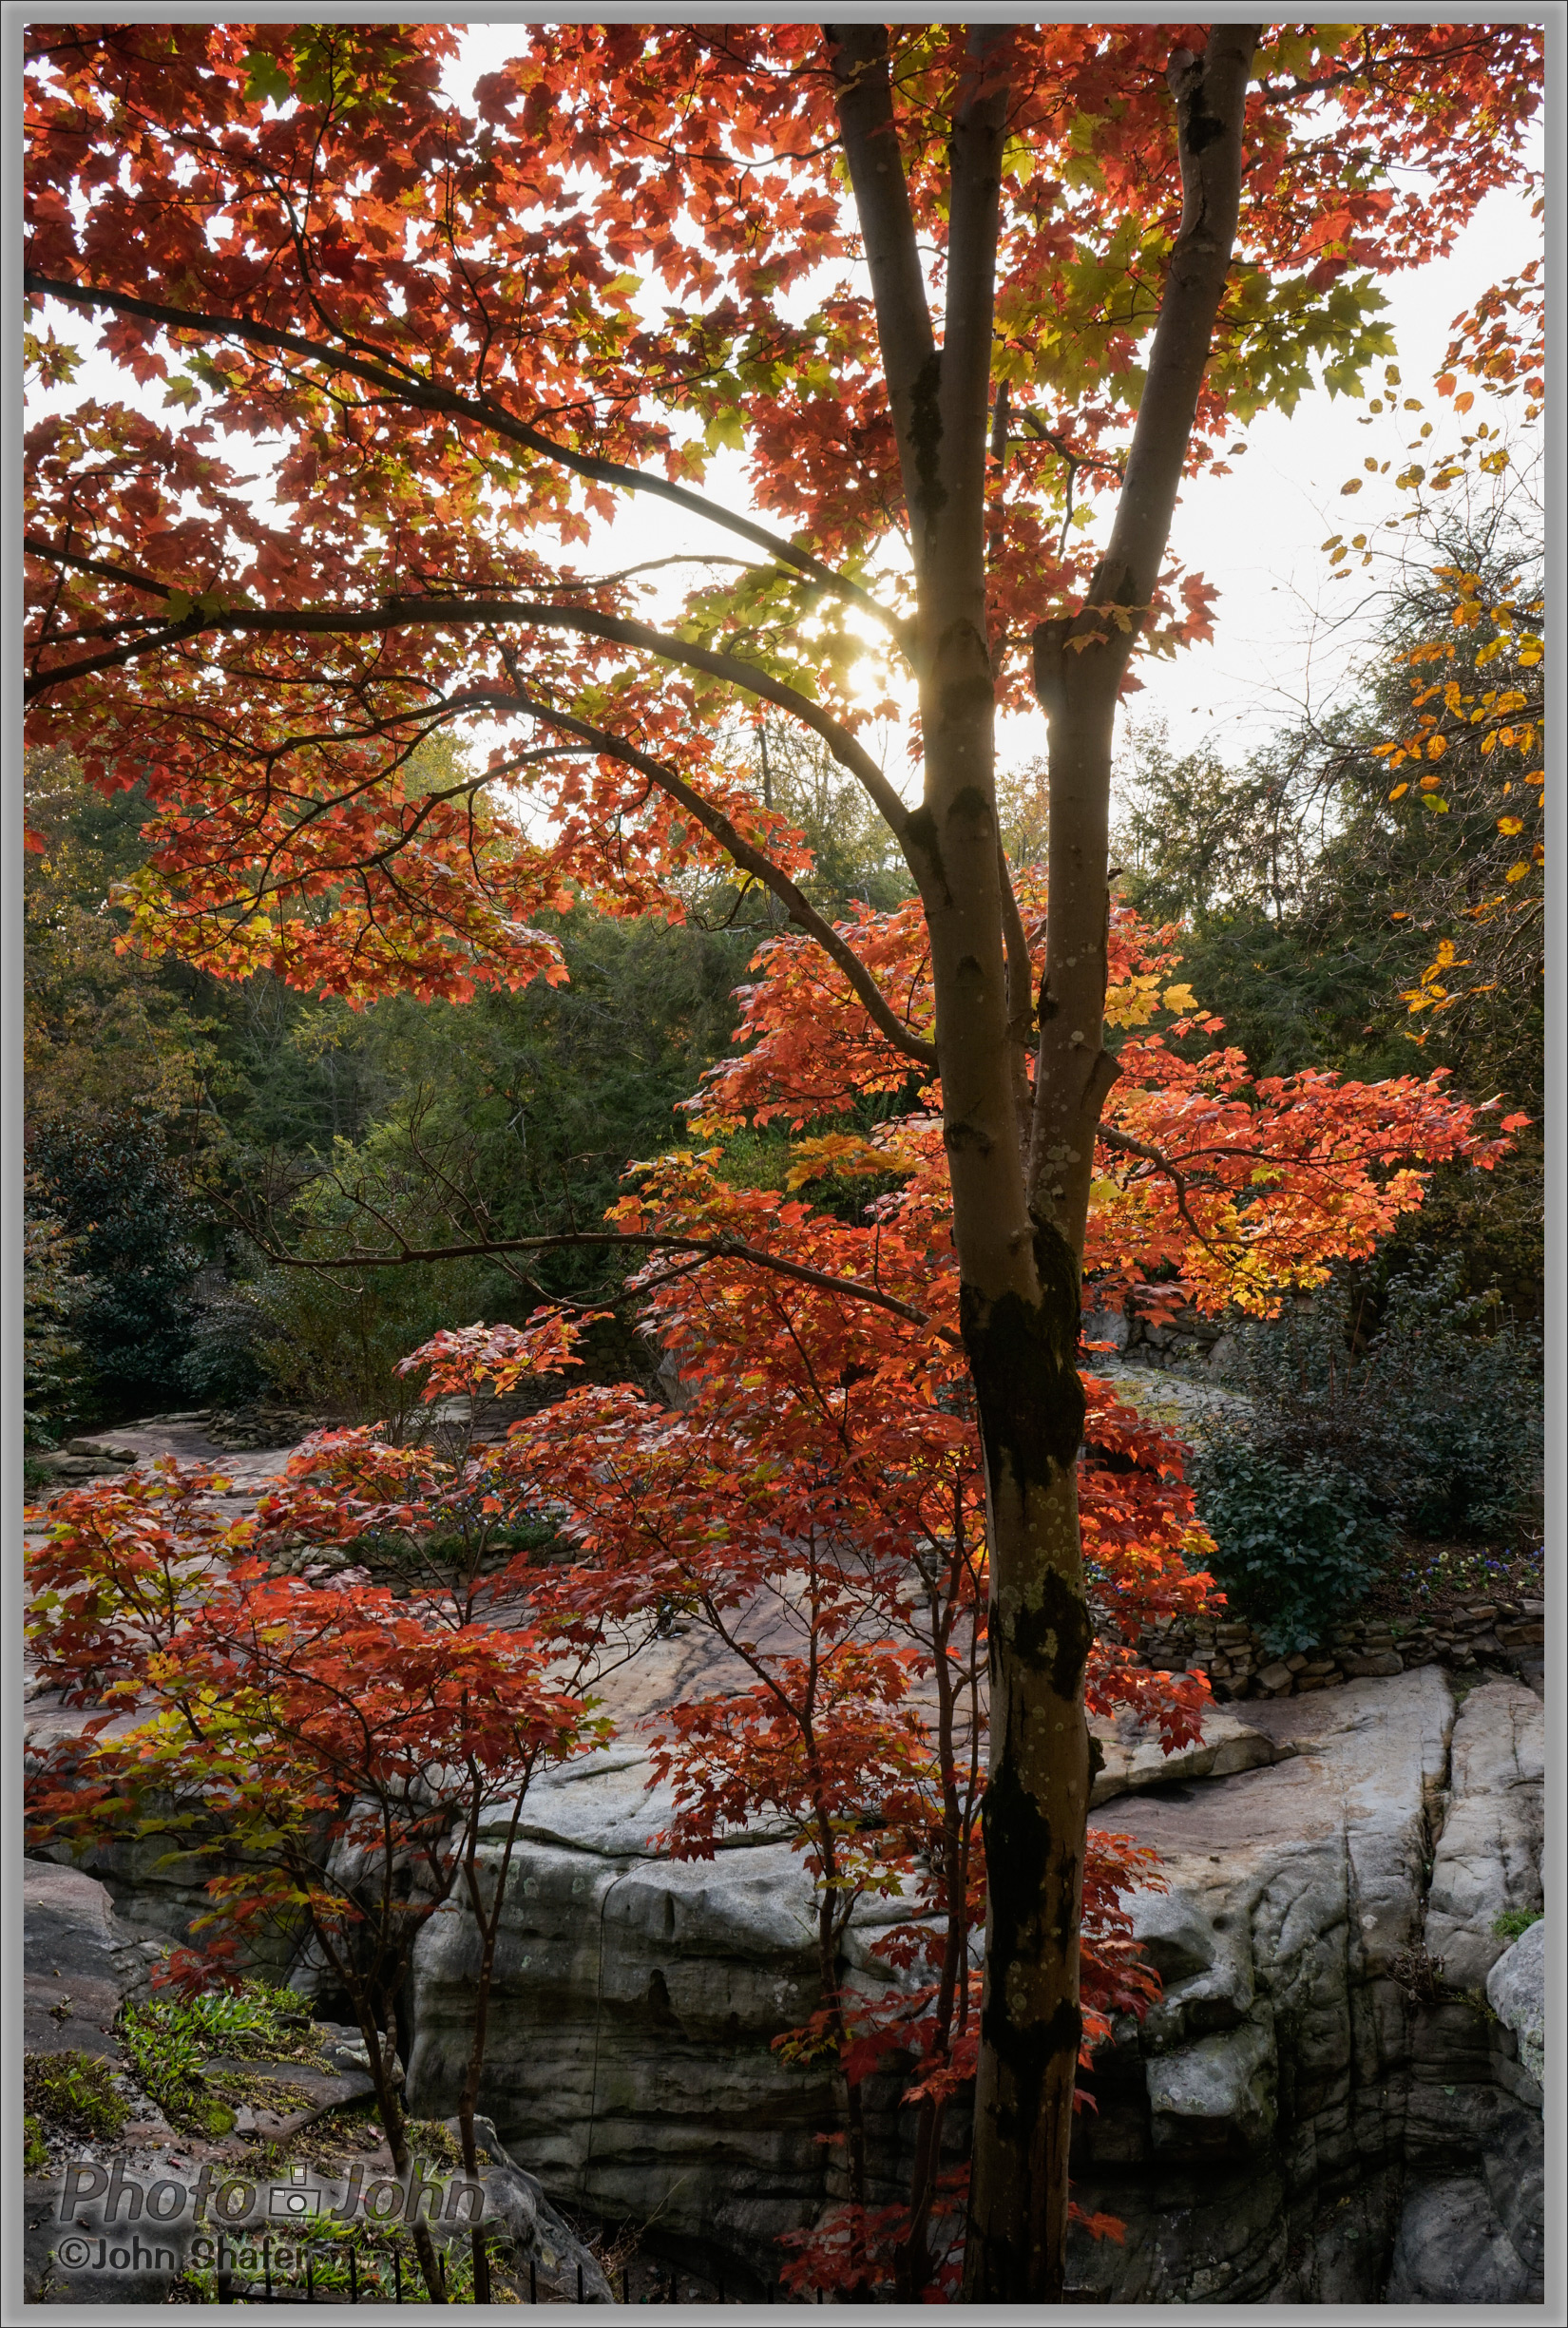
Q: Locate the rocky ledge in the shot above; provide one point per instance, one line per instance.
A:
(1325, 2108)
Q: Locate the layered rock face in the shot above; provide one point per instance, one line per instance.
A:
(630, 2058)
(1311, 2115)
(1316, 2112)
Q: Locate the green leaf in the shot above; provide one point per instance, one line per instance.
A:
(265, 77)
(727, 427)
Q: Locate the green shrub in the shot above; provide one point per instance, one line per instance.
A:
(1298, 1538)
(1438, 1415)
(1455, 1390)
(223, 1365)
(1514, 1923)
(123, 1204)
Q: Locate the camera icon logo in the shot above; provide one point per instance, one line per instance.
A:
(294, 2204)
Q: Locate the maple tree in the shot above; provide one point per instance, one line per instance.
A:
(928, 281)
(816, 1504)
(333, 1752)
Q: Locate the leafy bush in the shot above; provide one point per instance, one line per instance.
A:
(1457, 1393)
(223, 1365)
(1298, 1538)
(51, 1295)
(1434, 1427)
(1438, 1416)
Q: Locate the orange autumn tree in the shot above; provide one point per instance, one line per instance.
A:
(930, 283)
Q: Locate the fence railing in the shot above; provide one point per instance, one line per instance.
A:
(378, 2276)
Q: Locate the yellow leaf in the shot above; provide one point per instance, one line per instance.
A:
(1355, 486)
(1179, 998)
(1516, 872)
(1510, 824)
(1399, 790)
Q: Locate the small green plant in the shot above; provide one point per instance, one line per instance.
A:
(384, 2258)
(36, 2155)
(37, 1476)
(1514, 1923)
(73, 2092)
(170, 2039)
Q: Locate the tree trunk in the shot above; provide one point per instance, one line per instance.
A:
(383, 2058)
(1030, 1400)
(1019, 1221)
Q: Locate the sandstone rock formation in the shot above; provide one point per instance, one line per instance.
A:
(1516, 1989)
(1299, 2118)
(1488, 1855)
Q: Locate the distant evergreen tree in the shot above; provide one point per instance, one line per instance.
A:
(120, 1197)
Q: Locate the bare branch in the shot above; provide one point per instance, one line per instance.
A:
(711, 1248)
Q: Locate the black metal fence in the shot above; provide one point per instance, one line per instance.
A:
(377, 2275)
